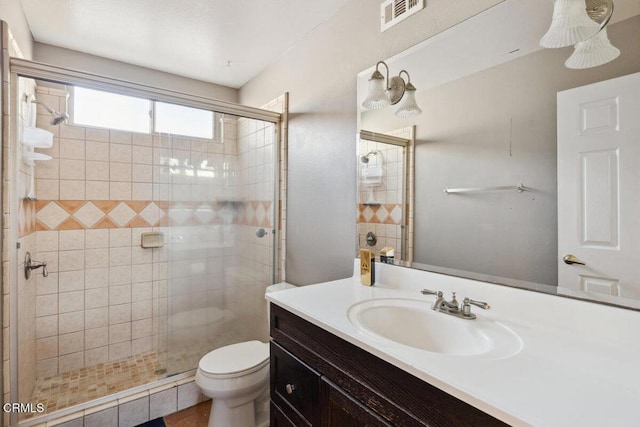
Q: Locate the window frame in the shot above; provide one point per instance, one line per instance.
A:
(70, 108)
(214, 128)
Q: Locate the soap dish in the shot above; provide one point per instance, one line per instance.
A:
(152, 240)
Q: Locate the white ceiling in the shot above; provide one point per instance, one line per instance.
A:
(191, 38)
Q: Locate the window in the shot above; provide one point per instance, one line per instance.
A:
(181, 120)
(98, 108)
(110, 110)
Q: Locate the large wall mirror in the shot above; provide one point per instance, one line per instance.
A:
(526, 172)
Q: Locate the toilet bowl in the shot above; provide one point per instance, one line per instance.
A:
(236, 378)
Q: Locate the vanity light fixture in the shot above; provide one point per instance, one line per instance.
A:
(384, 92)
(597, 50)
(570, 25)
(408, 106)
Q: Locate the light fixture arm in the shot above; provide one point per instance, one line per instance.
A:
(386, 85)
(408, 77)
(408, 84)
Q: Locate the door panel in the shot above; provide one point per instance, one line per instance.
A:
(598, 177)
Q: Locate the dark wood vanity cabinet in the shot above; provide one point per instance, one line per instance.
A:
(319, 379)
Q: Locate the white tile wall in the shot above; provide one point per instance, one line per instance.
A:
(98, 298)
(163, 402)
(132, 413)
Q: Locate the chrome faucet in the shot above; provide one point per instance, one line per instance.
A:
(442, 304)
(453, 307)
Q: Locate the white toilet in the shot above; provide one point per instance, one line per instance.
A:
(236, 377)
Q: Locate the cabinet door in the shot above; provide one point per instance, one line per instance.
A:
(338, 409)
(278, 418)
(294, 386)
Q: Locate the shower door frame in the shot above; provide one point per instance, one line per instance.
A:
(40, 71)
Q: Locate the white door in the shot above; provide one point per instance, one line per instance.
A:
(599, 189)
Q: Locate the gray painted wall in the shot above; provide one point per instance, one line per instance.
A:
(319, 72)
(73, 59)
(11, 12)
(495, 128)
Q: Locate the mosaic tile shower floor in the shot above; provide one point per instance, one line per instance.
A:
(89, 383)
(74, 387)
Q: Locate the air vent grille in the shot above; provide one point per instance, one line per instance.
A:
(394, 11)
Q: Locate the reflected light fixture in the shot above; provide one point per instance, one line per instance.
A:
(384, 92)
(570, 25)
(590, 52)
(597, 50)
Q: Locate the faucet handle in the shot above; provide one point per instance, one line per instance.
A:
(430, 292)
(482, 305)
(467, 303)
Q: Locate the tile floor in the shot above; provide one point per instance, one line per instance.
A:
(70, 388)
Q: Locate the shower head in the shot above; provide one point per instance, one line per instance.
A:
(365, 158)
(57, 118)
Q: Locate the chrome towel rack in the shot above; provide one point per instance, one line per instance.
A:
(519, 188)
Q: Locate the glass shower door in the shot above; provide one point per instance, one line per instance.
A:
(220, 233)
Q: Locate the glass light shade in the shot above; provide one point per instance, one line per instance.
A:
(408, 105)
(570, 25)
(596, 51)
(377, 97)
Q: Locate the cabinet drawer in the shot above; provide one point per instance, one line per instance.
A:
(294, 385)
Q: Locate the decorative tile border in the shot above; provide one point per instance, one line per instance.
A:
(26, 217)
(380, 214)
(100, 214)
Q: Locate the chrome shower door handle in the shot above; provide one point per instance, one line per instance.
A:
(571, 259)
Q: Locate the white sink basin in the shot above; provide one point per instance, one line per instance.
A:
(412, 323)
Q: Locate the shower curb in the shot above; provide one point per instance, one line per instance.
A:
(130, 407)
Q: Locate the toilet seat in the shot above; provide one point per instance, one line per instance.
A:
(235, 360)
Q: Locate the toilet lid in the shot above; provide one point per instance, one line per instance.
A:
(235, 358)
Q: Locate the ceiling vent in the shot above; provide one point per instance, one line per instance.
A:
(393, 12)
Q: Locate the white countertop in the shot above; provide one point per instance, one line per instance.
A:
(579, 364)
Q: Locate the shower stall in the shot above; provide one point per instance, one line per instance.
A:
(159, 237)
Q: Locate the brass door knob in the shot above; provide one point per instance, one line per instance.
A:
(571, 259)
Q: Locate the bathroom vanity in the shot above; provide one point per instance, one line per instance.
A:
(321, 380)
(343, 354)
